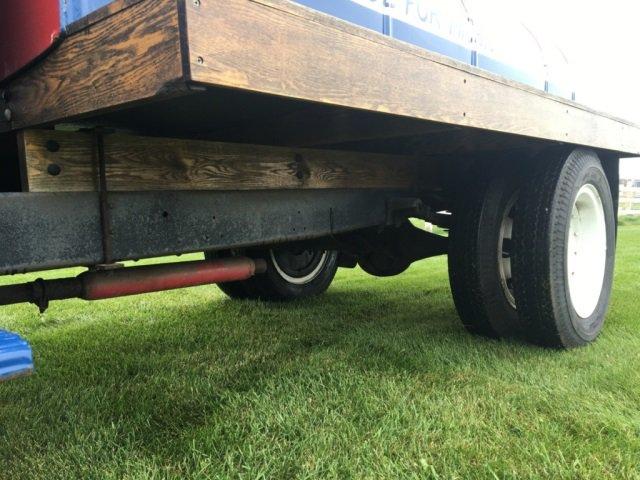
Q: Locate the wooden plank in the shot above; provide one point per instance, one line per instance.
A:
(277, 47)
(132, 55)
(57, 161)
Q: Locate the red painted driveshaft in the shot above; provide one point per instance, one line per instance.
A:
(157, 278)
(101, 284)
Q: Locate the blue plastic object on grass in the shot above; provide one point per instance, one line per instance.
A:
(16, 358)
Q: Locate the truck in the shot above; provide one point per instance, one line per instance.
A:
(287, 139)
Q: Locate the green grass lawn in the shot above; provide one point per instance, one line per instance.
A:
(376, 379)
(629, 220)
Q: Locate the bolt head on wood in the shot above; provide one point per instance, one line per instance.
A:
(54, 169)
(52, 146)
(7, 114)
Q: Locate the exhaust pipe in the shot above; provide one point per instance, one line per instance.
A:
(103, 284)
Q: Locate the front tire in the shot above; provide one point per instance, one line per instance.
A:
(564, 236)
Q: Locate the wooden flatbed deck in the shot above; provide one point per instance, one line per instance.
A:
(175, 64)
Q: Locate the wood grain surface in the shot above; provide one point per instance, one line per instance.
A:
(56, 161)
(129, 56)
(278, 47)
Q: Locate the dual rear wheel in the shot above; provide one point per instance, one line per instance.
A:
(532, 255)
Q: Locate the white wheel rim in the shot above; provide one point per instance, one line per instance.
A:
(586, 251)
(311, 276)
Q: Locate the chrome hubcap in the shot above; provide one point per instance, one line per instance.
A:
(299, 267)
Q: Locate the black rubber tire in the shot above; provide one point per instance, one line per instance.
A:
(271, 286)
(238, 290)
(541, 231)
(243, 290)
(474, 255)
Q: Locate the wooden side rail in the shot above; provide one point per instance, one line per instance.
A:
(58, 161)
(281, 48)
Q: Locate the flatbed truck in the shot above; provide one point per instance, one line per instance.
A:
(286, 143)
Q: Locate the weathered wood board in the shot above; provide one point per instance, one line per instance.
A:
(56, 161)
(280, 48)
(129, 56)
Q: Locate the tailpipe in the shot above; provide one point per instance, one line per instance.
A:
(121, 282)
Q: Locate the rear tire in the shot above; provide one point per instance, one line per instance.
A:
(242, 290)
(238, 290)
(480, 253)
(290, 275)
(564, 237)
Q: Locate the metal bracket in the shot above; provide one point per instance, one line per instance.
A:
(401, 208)
(39, 295)
(105, 212)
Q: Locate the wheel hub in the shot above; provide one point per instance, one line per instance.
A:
(299, 266)
(586, 251)
(504, 253)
